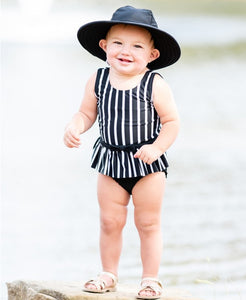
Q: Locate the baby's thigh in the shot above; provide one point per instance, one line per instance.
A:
(112, 198)
(148, 195)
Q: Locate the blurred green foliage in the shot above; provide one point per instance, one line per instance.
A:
(228, 7)
(237, 50)
(218, 7)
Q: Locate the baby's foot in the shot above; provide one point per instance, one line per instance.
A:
(151, 288)
(94, 286)
(147, 292)
(105, 282)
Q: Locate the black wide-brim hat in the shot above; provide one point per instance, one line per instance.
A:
(91, 33)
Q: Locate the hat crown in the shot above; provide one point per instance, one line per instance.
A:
(133, 15)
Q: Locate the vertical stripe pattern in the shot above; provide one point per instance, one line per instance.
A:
(125, 118)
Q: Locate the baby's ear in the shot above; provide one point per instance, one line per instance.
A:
(103, 44)
(155, 53)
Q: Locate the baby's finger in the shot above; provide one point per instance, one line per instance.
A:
(137, 154)
(72, 145)
(75, 134)
(71, 142)
(144, 159)
(141, 155)
(75, 140)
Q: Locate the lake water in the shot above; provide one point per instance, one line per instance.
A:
(49, 210)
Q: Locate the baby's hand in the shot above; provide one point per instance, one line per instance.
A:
(72, 137)
(148, 153)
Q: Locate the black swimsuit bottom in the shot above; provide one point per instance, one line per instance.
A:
(128, 183)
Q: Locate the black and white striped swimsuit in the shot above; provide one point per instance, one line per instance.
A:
(127, 120)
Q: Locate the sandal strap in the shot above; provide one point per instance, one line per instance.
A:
(111, 275)
(98, 283)
(151, 283)
(152, 279)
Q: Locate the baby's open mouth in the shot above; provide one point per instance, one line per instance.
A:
(125, 60)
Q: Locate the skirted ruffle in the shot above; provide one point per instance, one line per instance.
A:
(122, 164)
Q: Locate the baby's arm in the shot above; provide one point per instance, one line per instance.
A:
(84, 118)
(167, 111)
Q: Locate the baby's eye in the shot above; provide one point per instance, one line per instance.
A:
(117, 42)
(138, 46)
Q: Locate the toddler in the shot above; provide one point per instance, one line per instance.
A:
(138, 122)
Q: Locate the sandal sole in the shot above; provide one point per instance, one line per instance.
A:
(108, 290)
(148, 297)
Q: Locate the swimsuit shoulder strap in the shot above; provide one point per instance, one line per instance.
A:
(147, 83)
(101, 79)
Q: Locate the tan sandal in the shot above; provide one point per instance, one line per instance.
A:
(101, 285)
(150, 284)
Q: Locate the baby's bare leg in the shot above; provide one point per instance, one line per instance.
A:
(147, 198)
(113, 201)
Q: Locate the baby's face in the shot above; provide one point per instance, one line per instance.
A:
(129, 48)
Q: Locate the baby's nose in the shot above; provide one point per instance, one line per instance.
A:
(125, 49)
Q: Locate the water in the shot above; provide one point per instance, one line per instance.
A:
(49, 214)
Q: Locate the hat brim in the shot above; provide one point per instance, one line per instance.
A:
(91, 33)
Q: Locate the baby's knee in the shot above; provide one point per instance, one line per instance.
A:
(147, 226)
(112, 224)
